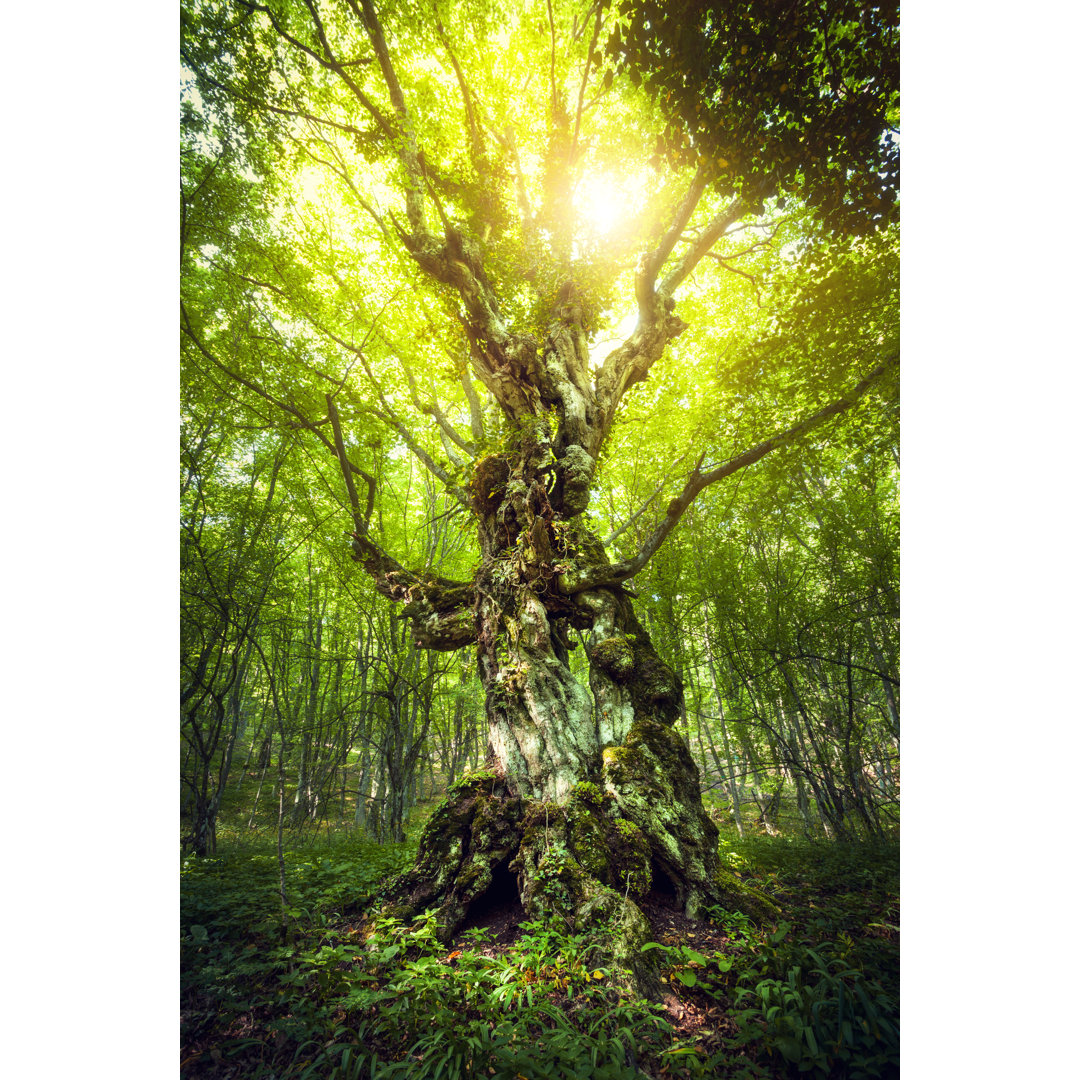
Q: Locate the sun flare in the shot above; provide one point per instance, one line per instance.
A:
(602, 200)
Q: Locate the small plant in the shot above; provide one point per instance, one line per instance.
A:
(466, 1014)
(588, 793)
(479, 935)
(691, 967)
(735, 924)
(553, 872)
(823, 1016)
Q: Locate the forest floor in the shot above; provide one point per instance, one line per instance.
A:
(323, 988)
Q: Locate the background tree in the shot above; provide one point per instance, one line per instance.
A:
(420, 263)
(228, 563)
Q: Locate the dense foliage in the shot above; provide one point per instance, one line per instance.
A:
(785, 96)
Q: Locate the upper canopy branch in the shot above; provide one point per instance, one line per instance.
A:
(652, 262)
(326, 60)
(409, 153)
(712, 232)
(440, 609)
(597, 25)
(657, 323)
(431, 408)
(476, 135)
(387, 414)
(295, 113)
(361, 520)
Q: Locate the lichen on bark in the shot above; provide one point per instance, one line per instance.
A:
(592, 798)
(586, 861)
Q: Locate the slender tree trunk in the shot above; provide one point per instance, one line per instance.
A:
(363, 786)
(733, 787)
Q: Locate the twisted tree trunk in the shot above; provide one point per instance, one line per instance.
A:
(591, 800)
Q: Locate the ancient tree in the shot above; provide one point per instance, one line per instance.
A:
(420, 114)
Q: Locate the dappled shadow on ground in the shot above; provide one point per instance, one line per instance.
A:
(693, 1015)
(250, 1000)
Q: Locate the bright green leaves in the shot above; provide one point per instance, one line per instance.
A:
(691, 968)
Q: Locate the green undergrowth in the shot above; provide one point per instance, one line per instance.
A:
(785, 818)
(241, 829)
(328, 989)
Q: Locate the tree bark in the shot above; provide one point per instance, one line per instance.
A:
(610, 779)
(592, 800)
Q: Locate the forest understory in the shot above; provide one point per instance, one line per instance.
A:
(320, 984)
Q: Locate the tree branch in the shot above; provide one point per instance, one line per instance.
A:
(698, 249)
(641, 509)
(698, 481)
(585, 78)
(476, 141)
(296, 114)
(441, 610)
(410, 154)
(360, 521)
(554, 90)
(657, 324)
(386, 413)
(508, 141)
(432, 409)
(329, 61)
(390, 417)
(653, 261)
(476, 416)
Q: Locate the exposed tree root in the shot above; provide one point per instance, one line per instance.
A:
(587, 861)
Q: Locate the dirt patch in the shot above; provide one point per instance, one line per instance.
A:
(693, 1013)
(672, 927)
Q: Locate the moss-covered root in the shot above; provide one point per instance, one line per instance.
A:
(735, 895)
(474, 830)
(621, 932)
(583, 862)
(583, 868)
(654, 784)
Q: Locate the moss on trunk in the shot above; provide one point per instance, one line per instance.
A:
(593, 799)
(585, 861)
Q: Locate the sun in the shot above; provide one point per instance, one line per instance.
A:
(603, 200)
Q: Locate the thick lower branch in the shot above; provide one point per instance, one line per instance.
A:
(440, 610)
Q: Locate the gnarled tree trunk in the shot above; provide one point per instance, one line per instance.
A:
(591, 800)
